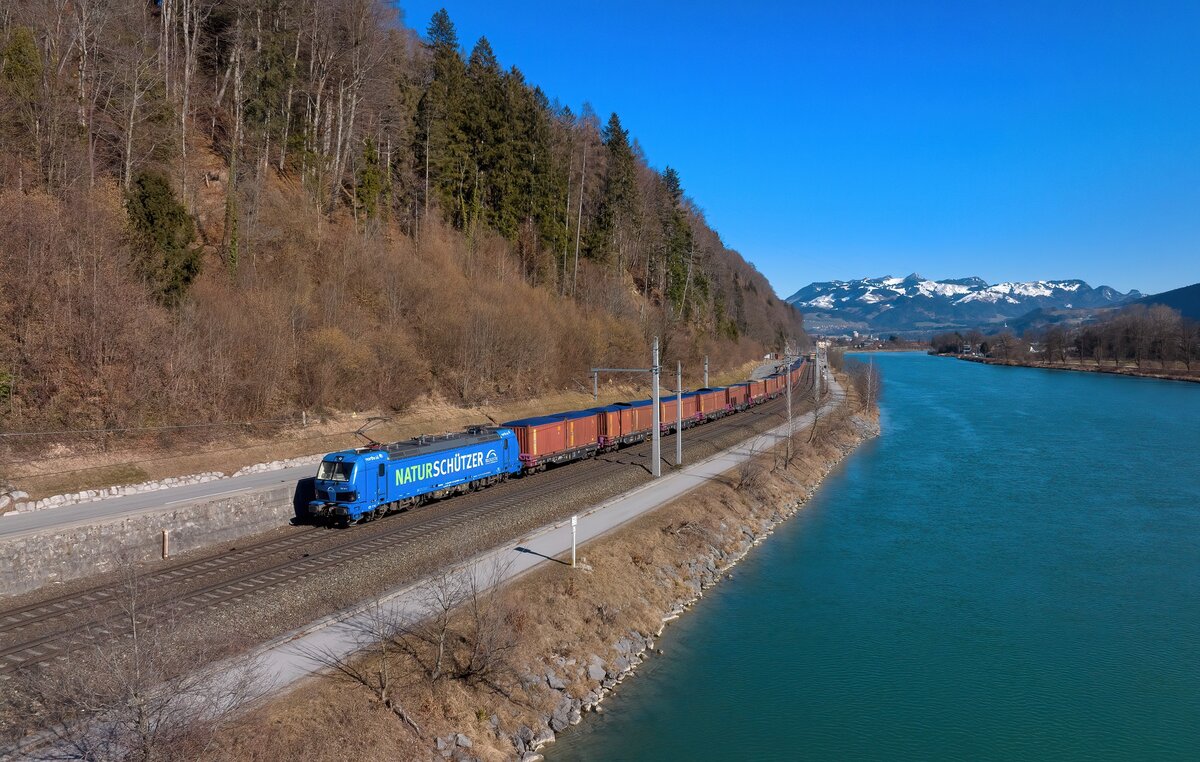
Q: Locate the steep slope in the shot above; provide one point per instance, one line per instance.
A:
(329, 211)
(1186, 300)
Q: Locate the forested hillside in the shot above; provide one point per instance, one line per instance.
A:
(230, 209)
(1186, 300)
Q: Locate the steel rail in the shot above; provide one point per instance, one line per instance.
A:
(362, 541)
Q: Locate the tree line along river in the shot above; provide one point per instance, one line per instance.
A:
(1012, 570)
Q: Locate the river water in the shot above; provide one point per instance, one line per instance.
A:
(1012, 570)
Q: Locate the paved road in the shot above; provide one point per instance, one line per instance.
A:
(768, 367)
(13, 524)
(94, 512)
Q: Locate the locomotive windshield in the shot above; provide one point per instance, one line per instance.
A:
(335, 471)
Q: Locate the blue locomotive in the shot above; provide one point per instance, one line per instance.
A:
(357, 485)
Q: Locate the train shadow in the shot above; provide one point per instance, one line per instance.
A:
(305, 492)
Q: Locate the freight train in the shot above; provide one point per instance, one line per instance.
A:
(357, 485)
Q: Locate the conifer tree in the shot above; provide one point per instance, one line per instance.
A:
(162, 232)
(20, 75)
(489, 137)
(442, 148)
(545, 175)
(670, 180)
(619, 205)
(370, 185)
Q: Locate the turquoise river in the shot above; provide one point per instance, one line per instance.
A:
(1011, 571)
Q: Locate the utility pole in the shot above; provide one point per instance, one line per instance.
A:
(655, 437)
(789, 413)
(678, 414)
(656, 445)
(705, 371)
(817, 377)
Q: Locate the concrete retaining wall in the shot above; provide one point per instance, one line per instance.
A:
(30, 561)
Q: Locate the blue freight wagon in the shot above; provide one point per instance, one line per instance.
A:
(369, 482)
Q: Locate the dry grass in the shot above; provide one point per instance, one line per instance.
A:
(629, 579)
(62, 470)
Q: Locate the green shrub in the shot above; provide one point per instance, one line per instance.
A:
(163, 233)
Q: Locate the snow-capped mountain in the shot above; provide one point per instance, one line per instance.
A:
(914, 304)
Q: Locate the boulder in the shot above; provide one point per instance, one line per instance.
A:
(525, 733)
(596, 672)
(554, 681)
(621, 665)
(561, 718)
(639, 643)
(463, 741)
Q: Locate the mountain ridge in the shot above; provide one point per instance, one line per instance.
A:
(1186, 299)
(917, 305)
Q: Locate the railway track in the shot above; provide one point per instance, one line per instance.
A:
(44, 630)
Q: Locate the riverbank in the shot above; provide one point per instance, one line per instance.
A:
(980, 582)
(1181, 374)
(515, 669)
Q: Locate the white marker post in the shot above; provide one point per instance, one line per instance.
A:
(574, 523)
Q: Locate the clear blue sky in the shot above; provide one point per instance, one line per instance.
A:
(1009, 140)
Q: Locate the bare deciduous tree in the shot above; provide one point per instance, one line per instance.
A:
(132, 687)
(457, 627)
(460, 629)
(1137, 334)
(867, 382)
(372, 664)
